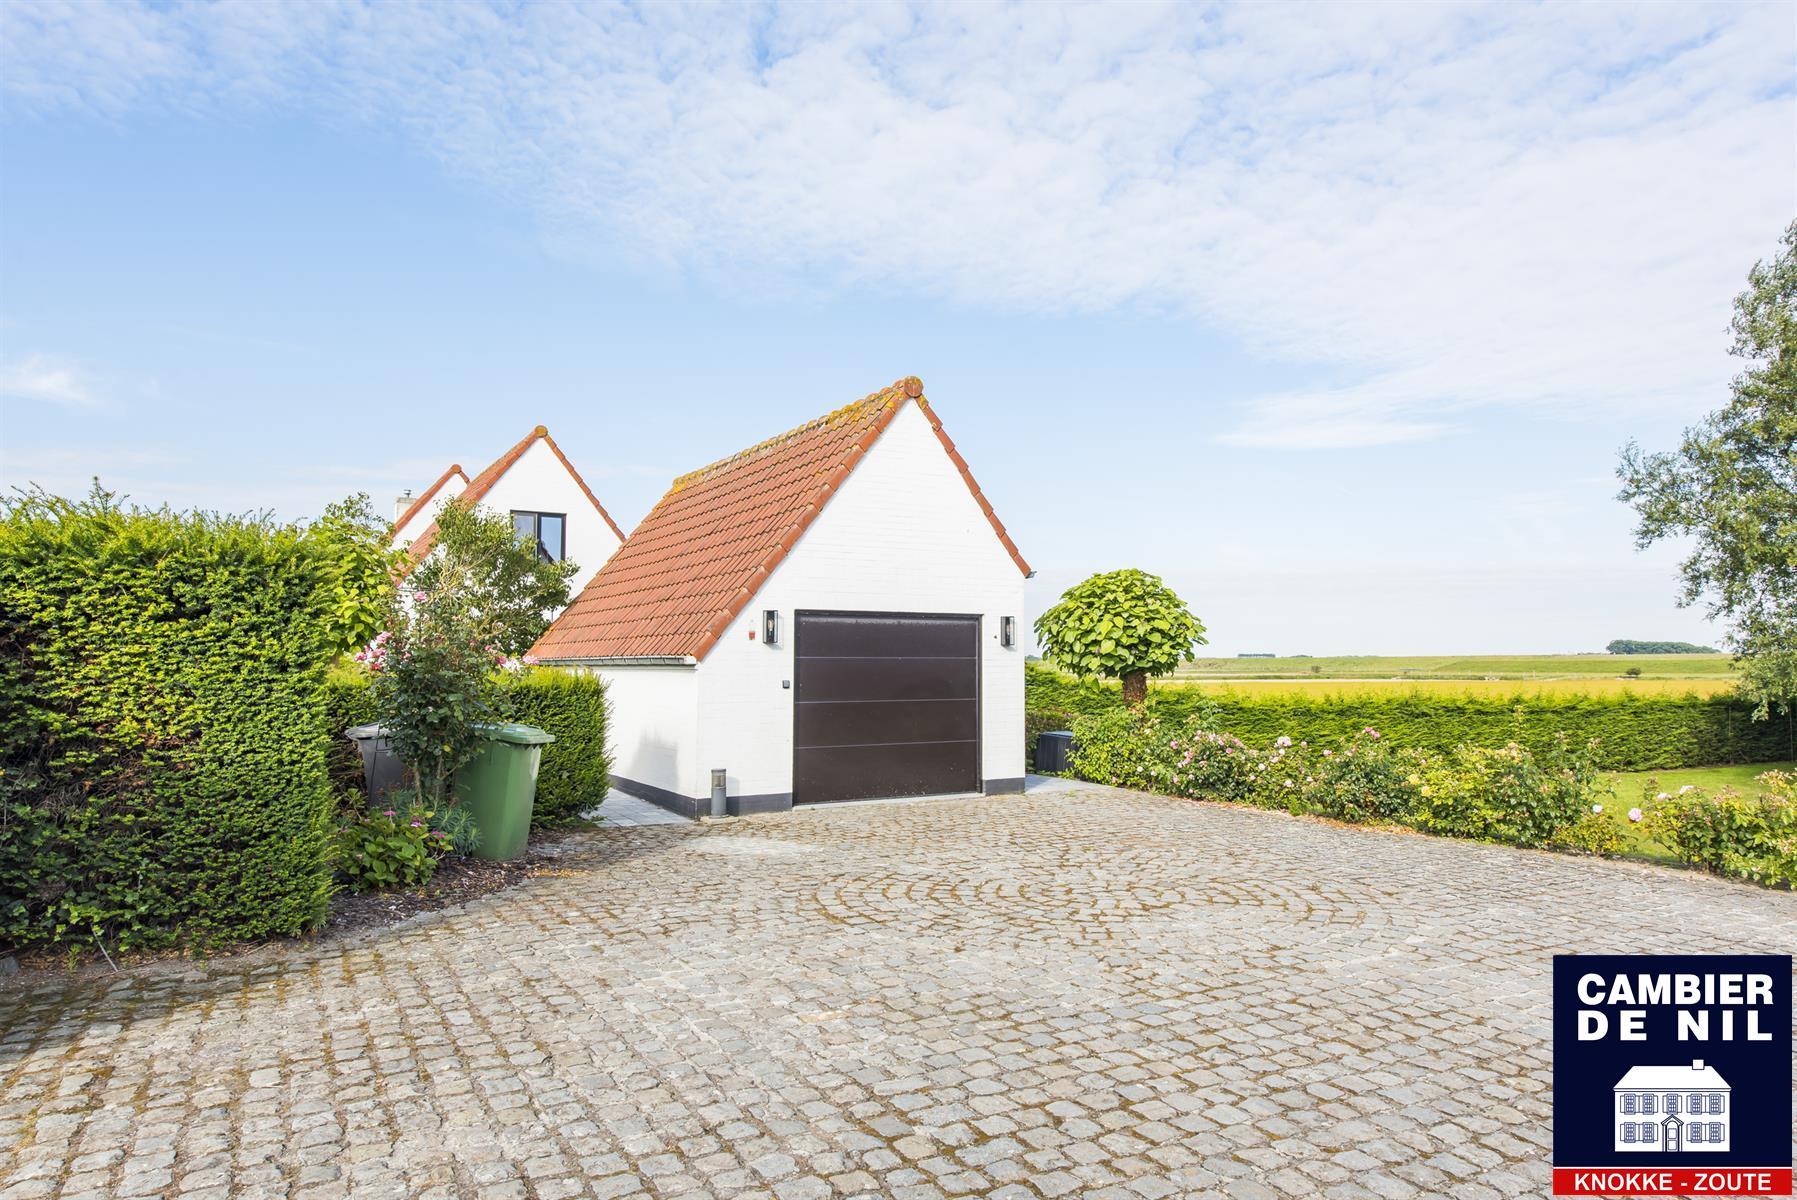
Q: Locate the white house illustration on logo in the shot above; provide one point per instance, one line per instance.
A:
(1672, 1109)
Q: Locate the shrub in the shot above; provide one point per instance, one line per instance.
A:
(1590, 834)
(360, 566)
(433, 683)
(1364, 779)
(1634, 732)
(348, 702)
(1508, 794)
(1124, 748)
(390, 848)
(1214, 765)
(1279, 775)
(511, 589)
(1730, 834)
(576, 768)
(162, 780)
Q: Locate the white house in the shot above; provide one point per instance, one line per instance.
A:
(829, 615)
(1672, 1109)
(535, 484)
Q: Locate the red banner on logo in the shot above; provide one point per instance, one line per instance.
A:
(1672, 1181)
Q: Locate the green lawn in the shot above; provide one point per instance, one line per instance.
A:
(1630, 787)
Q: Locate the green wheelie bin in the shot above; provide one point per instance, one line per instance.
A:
(499, 787)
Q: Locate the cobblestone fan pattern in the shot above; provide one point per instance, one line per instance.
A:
(1085, 993)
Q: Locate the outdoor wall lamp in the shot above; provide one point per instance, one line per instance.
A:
(770, 626)
(1007, 632)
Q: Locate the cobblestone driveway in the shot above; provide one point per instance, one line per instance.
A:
(1074, 993)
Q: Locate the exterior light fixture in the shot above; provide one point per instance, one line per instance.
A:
(1007, 632)
(719, 805)
(770, 626)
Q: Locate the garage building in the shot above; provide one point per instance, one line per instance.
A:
(829, 615)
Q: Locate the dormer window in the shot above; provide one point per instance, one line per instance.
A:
(547, 530)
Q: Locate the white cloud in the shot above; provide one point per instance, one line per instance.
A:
(1439, 207)
(47, 380)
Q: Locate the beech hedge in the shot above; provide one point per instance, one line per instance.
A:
(1633, 732)
(576, 769)
(161, 689)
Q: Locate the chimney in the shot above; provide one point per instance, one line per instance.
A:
(1697, 1064)
(400, 505)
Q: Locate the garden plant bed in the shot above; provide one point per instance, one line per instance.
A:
(457, 881)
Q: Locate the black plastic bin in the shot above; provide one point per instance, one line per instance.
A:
(382, 772)
(1054, 752)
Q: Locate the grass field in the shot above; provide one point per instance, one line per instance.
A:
(1531, 667)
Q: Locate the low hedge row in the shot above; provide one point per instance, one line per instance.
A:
(1633, 732)
(576, 769)
(162, 780)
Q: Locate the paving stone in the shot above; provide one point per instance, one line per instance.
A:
(1084, 992)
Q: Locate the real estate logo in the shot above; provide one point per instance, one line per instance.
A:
(1672, 1075)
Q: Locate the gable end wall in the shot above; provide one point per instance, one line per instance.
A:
(903, 534)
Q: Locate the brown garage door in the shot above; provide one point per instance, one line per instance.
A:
(885, 704)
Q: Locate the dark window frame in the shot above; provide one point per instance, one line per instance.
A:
(536, 530)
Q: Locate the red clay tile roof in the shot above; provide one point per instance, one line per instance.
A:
(483, 483)
(454, 469)
(707, 546)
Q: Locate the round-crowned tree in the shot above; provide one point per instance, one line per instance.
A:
(1124, 625)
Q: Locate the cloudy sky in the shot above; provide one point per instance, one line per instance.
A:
(1334, 316)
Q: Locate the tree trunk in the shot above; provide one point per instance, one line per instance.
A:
(1135, 688)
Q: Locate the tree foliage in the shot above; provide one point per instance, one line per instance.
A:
(433, 686)
(1632, 646)
(361, 563)
(1124, 625)
(1731, 488)
(505, 590)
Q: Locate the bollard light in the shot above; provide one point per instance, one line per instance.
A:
(718, 805)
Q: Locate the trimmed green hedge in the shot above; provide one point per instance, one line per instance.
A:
(576, 769)
(160, 695)
(1634, 732)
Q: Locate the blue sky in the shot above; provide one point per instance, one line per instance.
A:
(1334, 317)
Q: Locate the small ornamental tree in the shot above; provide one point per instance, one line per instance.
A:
(433, 685)
(1124, 625)
(504, 588)
(361, 566)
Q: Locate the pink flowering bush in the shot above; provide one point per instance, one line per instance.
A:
(1365, 779)
(1508, 794)
(1278, 777)
(373, 656)
(1727, 833)
(1208, 765)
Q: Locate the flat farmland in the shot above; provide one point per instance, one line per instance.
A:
(1476, 667)
(1349, 689)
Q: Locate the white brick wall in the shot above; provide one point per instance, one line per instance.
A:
(653, 728)
(903, 535)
